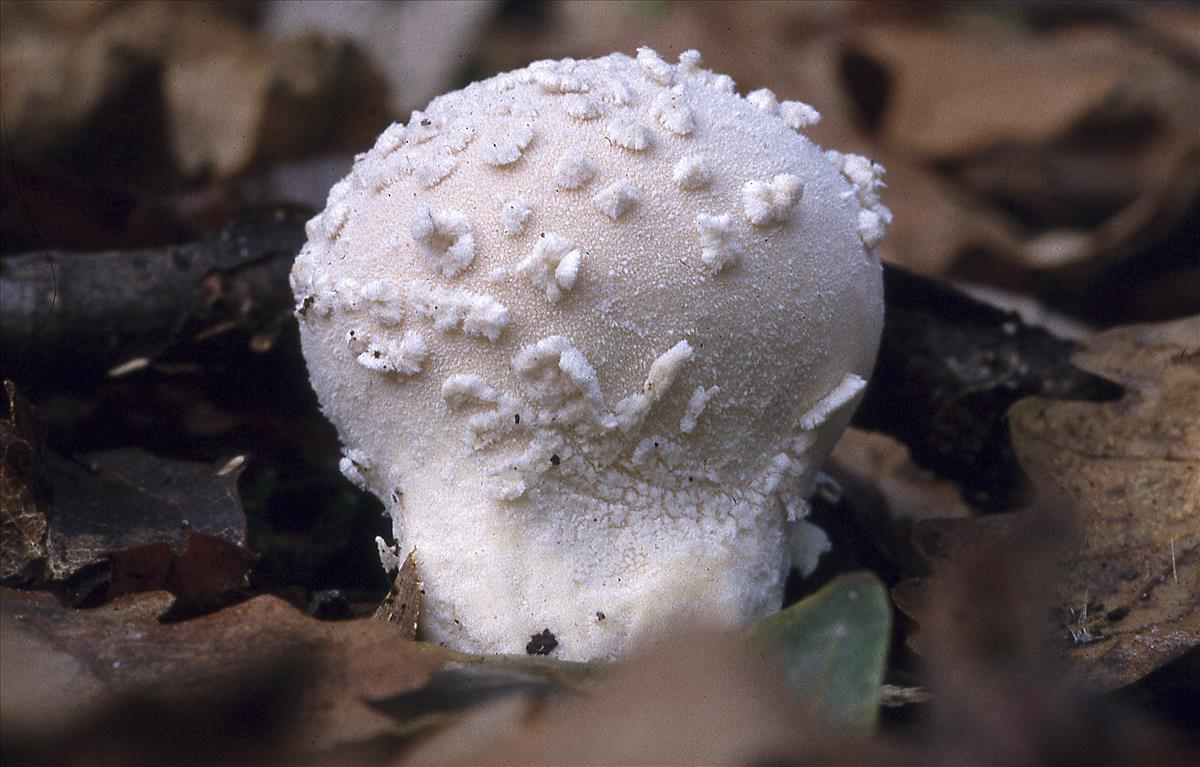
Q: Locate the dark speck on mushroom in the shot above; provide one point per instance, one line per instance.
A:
(554, 459)
(541, 644)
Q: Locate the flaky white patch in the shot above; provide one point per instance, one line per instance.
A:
(616, 199)
(444, 238)
(764, 100)
(574, 169)
(631, 412)
(690, 61)
(505, 142)
(354, 465)
(798, 115)
(329, 224)
(871, 228)
(628, 133)
(719, 245)
(691, 173)
(655, 68)
(842, 395)
(403, 357)
(582, 106)
(462, 389)
(672, 112)
(770, 202)
(695, 407)
(553, 265)
(430, 170)
(514, 213)
(450, 309)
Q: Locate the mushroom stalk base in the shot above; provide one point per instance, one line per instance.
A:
(600, 576)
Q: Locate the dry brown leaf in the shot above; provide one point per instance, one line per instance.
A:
(959, 91)
(933, 222)
(694, 697)
(230, 97)
(124, 521)
(51, 82)
(248, 101)
(912, 493)
(886, 494)
(1130, 470)
(119, 500)
(119, 649)
(1069, 148)
(1124, 476)
(997, 696)
(402, 605)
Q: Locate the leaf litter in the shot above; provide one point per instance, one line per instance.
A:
(1084, 202)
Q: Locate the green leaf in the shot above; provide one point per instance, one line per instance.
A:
(833, 647)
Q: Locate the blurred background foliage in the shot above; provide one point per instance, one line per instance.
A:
(1043, 149)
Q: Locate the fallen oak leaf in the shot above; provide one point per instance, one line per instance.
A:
(241, 718)
(1125, 476)
(121, 648)
(1131, 471)
(703, 693)
(996, 686)
(117, 522)
(461, 687)
(887, 493)
(120, 499)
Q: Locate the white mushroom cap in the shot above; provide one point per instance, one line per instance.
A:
(587, 328)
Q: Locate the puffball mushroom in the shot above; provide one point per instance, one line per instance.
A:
(587, 329)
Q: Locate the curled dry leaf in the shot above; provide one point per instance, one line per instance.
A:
(690, 696)
(1130, 470)
(120, 649)
(994, 688)
(358, 684)
(247, 101)
(1125, 477)
(912, 493)
(888, 494)
(124, 499)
